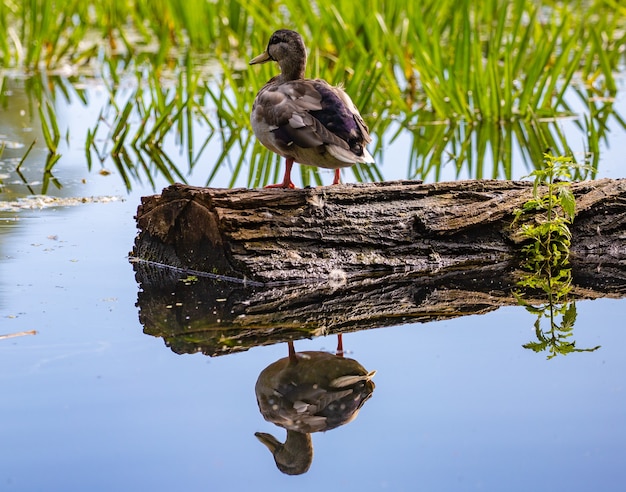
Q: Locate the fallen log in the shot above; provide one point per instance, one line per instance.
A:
(224, 270)
(272, 235)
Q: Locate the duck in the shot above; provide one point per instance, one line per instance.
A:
(307, 121)
(306, 392)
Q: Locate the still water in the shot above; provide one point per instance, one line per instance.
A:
(92, 403)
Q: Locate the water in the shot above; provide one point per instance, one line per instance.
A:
(91, 402)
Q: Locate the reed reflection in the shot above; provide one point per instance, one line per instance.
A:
(308, 392)
(161, 124)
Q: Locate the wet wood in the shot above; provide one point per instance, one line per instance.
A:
(274, 235)
(352, 257)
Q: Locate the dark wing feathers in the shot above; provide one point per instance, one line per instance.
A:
(334, 113)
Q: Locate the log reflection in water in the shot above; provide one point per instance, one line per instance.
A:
(195, 313)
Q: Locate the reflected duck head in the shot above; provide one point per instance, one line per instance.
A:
(294, 456)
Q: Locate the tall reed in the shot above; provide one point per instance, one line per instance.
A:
(490, 69)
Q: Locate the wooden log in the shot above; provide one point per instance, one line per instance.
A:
(274, 235)
(343, 258)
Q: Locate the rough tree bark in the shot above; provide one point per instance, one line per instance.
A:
(341, 258)
(271, 235)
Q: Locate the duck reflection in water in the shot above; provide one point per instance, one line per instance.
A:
(309, 392)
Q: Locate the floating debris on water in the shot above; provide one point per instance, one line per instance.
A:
(38, 202)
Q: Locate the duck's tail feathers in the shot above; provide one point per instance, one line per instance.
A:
(349, 157)
(343, 381)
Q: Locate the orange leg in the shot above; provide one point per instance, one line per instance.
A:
(339, 345)
(287, 178)
(337, 179)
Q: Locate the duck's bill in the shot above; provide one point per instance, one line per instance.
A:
(268, 440)
(262, 58)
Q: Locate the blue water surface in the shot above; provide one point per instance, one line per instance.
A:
(92, 403)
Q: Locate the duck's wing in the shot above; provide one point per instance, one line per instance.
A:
(310, 113)
(354, 112)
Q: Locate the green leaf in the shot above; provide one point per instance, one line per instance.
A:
(568, 202)
(569, 318)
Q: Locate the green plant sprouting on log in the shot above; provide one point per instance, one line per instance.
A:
(546, 218)
(548, 231)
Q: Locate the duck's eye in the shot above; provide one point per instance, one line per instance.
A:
(278, 39)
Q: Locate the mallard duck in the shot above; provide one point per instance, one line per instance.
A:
(309, 392)
(304, 120)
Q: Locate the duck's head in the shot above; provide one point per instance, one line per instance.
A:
(295, 456)
(287, 48)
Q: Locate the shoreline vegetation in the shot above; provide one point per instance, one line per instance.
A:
(466, 82)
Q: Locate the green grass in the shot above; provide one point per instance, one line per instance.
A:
(464, 78)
